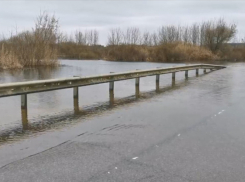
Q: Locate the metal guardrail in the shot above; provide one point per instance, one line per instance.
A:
(24, 88)
(20, 88)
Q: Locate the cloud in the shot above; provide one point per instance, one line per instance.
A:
(104, 15)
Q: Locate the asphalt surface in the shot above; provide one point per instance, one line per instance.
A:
(194, 133)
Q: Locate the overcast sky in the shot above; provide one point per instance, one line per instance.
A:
(104, 14)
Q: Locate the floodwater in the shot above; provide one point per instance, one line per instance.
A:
(192, 130)
(54, 109)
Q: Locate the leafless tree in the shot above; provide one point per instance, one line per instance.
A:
(136, 36)
(186, 35)
(216, 33)
(79, 38)
(146, 39)
(89, 37)
(115, 37)
(155, 39)
(95, 37)
(169, 34)
(195, 34)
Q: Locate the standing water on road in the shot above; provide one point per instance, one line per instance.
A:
(56, 107)
(193, 129)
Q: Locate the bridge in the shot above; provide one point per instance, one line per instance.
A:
(25, 88)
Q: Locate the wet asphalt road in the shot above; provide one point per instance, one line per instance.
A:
(193, 133)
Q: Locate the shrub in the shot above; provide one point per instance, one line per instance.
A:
(32, 48)
(127, 53)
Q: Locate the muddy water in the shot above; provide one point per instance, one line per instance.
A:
(56, 108)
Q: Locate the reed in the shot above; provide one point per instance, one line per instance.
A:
(168, 52)
(44, 44)
(32, 48)
(8, 59)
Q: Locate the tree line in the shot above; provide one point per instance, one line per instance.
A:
(45, 43)
(210, 34)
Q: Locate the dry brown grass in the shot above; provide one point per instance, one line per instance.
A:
(127, 53)
(71, 50)
(42, 45)
(8, 59)
(189, 52)
(170, 52)
(32, 48)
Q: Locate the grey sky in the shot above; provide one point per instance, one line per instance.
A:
(104, 15)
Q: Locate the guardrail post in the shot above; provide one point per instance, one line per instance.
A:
(173, 83)
(137, 81)
(75, 92)
(137, 87)
(137, 91)
(197, 72)
(24, 112)
(111, 84)
(111, 91)
(173, 76)
(76, 99)
(111, 97)
(157, 82)
(24, 101)
(186, 74)
(157, 78)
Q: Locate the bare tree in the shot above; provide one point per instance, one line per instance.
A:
(89, 37)
(155, 39)
(146, 39)
(217, 33)
(161, 37)
(186, 35)
(169, 34)
(195, 34)
(46, 28)
(115, 37)
(79, 38)
(95, 37)
(136, 36)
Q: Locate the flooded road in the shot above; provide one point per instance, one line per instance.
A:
(55, 108)
(193, 130)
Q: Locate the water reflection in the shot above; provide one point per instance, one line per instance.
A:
(54, 102)
(137, 91)
(76, 99)
(111, 97)
(197, 72)
(68, 118)
(76, 105)
(58, 108)
(173, 82)
(157, 86)
(24, 118)
(28, 74)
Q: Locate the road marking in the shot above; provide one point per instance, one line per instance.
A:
(221, 112)
(135, 158)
